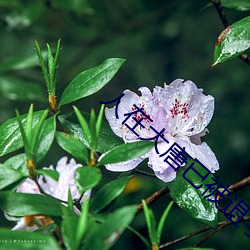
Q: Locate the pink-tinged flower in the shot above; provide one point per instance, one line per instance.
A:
(58, 189)
(181, 109)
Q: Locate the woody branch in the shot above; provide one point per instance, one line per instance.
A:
(165, 190)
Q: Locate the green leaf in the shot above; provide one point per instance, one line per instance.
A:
(233, 41)
(28, 127)
(19, 63)
(37, 132)
(108, 193)
(241, 5)
(53, 174)
(46, 137)
(87, 177)
(151, 223)
(92, 127)
(19, 90)
(20, 204)
(105, 235)
(70, 201)
(8, 176)
(90, 81)
(82, 223)
(107, 139)
(162, 221)
(99, 121)
(78, 6)
(74, 228)
(18, 162)
(126, 152)
(16, 240)
(43, 65)
(69, 230)
(84, 125)
(73, 146)
(10, 136)
(190, 199)
(143, 239)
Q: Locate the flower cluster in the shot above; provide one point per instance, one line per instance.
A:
(181, 109)
(58, 189)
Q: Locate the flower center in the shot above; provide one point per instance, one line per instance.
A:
(180, 110)
(138, 115)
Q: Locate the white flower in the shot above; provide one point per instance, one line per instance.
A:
(58, 189)
(181, 109)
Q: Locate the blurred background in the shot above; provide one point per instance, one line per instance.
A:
(161, 41)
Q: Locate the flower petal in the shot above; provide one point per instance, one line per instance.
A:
(189, 110)
(144, 101)
(59, 189)
(29, 187)
(126, 165)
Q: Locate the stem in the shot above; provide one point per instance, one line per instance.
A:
(152, 198)
(222, 225)
(144, 173)
(233, 188)
(240, 184)
(204, 229)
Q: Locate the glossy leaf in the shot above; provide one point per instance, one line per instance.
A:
(16, 240)
(151, 223)
(99, 122)
(108, 193)
(126, 152)
(73, 146)
(84, 125)
(105, 235)
(87, 177)
(10, 136)
(92, 127)
(233, 41)
(20, 204)
(90, 81)
(190, 199)
(53, 174)
(8, 176)
(19, 90)
(162, 221)
(107, 138)
(241, 5)
(18, 162)
(46, 138)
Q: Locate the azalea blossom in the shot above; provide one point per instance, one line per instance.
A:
(58, 189)
(180, 110)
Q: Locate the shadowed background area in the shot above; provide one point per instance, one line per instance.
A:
(161, 41)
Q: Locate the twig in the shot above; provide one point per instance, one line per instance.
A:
(222, 15)
(233, 188)
(226, 23)
(42, 192)
(185, 237)
(144, 173)
(222, 225)
(152, 198)
(240, 185)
